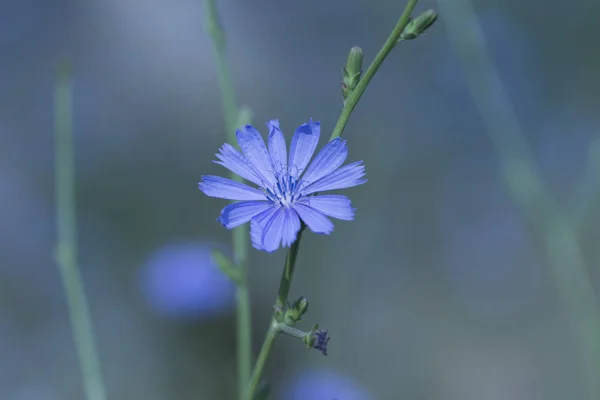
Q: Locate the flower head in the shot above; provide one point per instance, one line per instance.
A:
(287, 185)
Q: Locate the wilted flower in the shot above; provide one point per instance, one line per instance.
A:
(288, 188)
(180, 279)
(319, 340)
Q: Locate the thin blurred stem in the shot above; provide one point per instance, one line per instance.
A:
(66, 249)
(388, 46)
(524, 183)
(280, 302)
(587, 190)
(263, 355)
(240, 234)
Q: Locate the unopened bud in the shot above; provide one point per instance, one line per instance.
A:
(418, 25)
(352, 72)
(295, 312)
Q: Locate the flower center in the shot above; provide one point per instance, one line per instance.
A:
(286, 190)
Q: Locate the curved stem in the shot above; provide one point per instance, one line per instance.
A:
(240, 234)
(288, 271)
(388, 46)
(66, 249)
(525, 185)
(263, 355)
(282, 296)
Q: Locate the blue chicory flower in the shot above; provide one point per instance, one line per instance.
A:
(318, 384)
(181, 280)
(288, 187)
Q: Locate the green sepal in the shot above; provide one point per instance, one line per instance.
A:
(309, 338)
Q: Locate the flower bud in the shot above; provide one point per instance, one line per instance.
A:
(352, 72)
(418, 25)
(294, 313)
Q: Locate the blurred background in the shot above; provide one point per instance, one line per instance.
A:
(440, 289)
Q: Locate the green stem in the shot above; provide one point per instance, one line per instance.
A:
(291, 331)
(244, 334)
(240, 234)
(388, 46)
(288, 273)
(263, 355)
(290, 263)
(282, 296)
(66, 249)
(525, 185)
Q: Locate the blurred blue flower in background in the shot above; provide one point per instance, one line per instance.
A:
(180, 279)
(316, 384)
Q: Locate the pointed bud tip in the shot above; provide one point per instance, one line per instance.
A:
(355, 61)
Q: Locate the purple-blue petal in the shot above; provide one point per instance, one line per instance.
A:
(257, 226)
(329, 159)
(216, 186)
(291, 227)
(280, 229)
(234, 161)
(323, 384)
(303, 145)
(239, 213)
(315, 220)
(277, 147)
(333, 205)
(344, 177)
(254, 148)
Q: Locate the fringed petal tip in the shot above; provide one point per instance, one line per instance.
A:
(274, 123)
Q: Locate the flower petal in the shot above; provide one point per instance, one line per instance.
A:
(258, 223)
(277, 147)
(234, 161)
(344, 177)
(329, 159)
(282, 228)
(239, 213)
(333, 205)
(304, 143)
(255, 150)
(316, 221)
(216, 186)
(291, 226)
